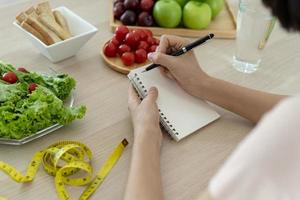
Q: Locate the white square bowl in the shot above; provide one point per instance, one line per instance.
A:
(81, 32)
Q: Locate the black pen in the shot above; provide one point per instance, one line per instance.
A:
(184, 49)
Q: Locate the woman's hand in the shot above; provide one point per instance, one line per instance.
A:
(145, 116)
(184, 69)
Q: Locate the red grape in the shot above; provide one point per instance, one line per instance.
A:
(115, 41)
(143, 45)
(127, 58)
(10, 77)
(152, 48)
(151, 41)
(140, 56)
(123, 48)
(121, 33)
(132, 40)
(110, 50)
(143, 34)
(148, 32)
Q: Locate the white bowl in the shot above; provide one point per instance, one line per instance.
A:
(81, 30)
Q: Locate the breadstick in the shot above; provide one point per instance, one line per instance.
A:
(52, 25)
(30, 10)
(31, 30)
(21, 17)
(61, 21)
(45, 8)
(49, 36)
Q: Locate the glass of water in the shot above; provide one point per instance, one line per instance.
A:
(254, 26)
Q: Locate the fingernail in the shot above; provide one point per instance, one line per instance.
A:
(150, 56)
(152, 89)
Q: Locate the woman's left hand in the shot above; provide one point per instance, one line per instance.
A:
(145, 115)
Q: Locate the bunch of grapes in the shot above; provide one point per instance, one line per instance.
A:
(131, 46)
(132, 12)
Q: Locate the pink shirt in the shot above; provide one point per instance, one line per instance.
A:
(266, 165)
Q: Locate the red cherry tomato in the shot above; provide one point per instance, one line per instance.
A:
(22, 69)
(143, 45)
(110, 50)
(127, 58)
(123, 48)
(152, 48)
(10, 77)
(115, 41)
(132, 39)
(151, 41)
(121, 33)
(148, 32)
(140, 56)
(32, 87)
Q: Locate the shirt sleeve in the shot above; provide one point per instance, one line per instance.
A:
(266, 165)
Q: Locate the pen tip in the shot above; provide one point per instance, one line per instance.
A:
(211, 35)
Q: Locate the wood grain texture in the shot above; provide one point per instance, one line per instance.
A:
(223, 26)
(188, 165)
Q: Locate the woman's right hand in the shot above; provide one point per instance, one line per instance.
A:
(184, 69)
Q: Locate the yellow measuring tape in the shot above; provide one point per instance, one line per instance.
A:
(62, 160)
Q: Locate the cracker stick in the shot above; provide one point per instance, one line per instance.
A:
(21, 17)
(45, 8)
(49, 36)
(34, 32)
(30, 10)
(61, 20)
(55, 27)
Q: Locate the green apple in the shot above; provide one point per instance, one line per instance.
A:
(182, 2)
(216, 6)
(167, 13)
(196, 15)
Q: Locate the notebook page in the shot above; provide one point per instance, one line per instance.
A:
(185, 113)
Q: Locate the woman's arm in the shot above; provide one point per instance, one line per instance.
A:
(144, 181)
(248, 103)
(185, 69)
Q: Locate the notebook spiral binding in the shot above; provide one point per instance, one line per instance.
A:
(142, 92)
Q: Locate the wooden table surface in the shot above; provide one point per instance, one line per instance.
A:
(188, 165)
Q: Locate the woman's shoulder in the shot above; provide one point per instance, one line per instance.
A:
(290, 104)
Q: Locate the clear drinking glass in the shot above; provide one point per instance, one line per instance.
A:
(254, 26)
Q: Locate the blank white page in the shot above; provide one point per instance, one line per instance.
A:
(185, 114)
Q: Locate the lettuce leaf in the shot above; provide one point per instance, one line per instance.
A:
(23, 114)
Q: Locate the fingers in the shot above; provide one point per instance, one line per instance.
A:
(162, 59)
(133, 99)
(166, 73)
(168, 41)
(152, 95)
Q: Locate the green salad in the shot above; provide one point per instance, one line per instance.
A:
(30, 102)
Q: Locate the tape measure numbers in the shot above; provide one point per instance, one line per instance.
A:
(62, 160)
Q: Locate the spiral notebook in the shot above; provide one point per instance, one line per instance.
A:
(180, 113)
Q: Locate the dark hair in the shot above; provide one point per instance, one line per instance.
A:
(287, 12)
